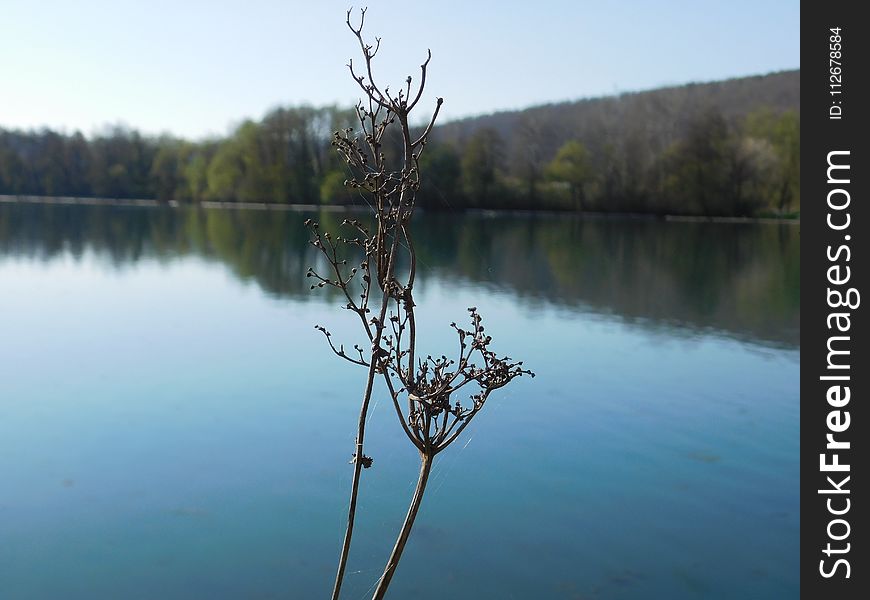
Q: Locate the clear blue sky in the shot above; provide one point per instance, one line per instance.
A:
(195, 68)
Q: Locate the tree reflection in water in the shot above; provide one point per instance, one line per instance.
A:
(737, 279)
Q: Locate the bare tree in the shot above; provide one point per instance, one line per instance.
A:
(364, 265)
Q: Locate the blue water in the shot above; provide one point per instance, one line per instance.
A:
(171, 425)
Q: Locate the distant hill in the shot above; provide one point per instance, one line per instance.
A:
(664, 112)
(720, 148)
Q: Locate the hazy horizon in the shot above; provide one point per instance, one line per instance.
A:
(232, 125)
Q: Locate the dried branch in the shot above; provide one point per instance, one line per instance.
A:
(434, 417)
(340, 350)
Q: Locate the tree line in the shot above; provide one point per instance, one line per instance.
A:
(285, 157)
(717, 168)
(698, 150)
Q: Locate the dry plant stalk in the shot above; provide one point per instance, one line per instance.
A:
(423, 390)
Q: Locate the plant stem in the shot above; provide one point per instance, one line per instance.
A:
(405, 532)
(354, 493)
(361, 426)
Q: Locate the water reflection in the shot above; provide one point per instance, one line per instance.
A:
(168, 433)
(739, 280)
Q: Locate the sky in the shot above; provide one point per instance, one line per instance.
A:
(198, 68)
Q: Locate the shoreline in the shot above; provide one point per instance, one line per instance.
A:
(151, 203)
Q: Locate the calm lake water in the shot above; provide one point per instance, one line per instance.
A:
(173, 427)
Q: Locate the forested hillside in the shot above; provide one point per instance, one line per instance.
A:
(724, 148)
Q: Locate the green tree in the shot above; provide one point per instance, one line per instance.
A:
(12, 176)
(333, 189)
(120, 164)
(782, 131)
(480, 161)
(49, 173)
(166, 170)
(697, 169)
(571, 166)
(442, 188)
(527, 154)
(245, 168)
(751, 174)
(225, 172)
(77, 159)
